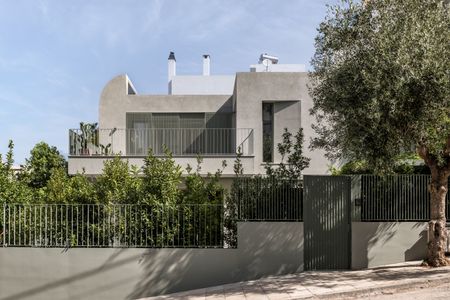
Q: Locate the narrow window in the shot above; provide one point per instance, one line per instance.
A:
(267, 116)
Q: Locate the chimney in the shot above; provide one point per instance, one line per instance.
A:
(206, 64)
(172, 66)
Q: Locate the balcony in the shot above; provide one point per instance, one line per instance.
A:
(187, 142)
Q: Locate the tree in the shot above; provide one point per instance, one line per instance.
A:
(407, 163)
(12, 190)
(161, 180)
(381, 87)
(203, 190)
(39, 167)
(118, 183)
(293, 153)
(232, 202)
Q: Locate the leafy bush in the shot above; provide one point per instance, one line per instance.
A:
(118, 183)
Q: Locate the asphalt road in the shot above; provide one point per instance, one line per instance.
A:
(440, 292)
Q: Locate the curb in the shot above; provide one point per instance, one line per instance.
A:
(389, 289)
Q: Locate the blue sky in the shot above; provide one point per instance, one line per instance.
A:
(56, 56)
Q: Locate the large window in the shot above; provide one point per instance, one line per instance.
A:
(267, 116)
(182, 133)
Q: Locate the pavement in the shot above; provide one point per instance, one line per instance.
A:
(369, 283)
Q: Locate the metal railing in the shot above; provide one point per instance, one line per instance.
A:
(98, 225)
(268, 199)
(180, 141)
(396, 198)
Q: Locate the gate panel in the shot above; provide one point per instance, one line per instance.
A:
(327, 222)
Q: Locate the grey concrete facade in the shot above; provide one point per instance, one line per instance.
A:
(381, 243)
(50, 273)
(93, 166)
(289, 93)
(248, 91)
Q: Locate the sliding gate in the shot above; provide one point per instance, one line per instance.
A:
(327, 222)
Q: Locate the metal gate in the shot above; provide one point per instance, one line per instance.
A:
(327, 222)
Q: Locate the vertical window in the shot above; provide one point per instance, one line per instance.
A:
(267, 116)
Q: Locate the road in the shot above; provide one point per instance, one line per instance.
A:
(440, 292)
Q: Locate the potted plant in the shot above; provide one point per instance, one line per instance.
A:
(105, 150)
(88, 136)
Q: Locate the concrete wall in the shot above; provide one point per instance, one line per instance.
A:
(381, 243)
(39, 273)
(93, 165)
(203, 85)
(289, 92)
(115, 103)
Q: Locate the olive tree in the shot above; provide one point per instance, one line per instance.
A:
(380, 83)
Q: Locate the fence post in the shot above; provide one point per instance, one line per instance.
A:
(4, 225)
(356, 198)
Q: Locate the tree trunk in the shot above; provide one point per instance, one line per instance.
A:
(437, 232)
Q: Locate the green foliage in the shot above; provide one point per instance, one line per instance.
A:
(64, 189)
(203, 190)
(406, 163)
(58, 188)
(161, 212)
(39, 167)
(231, 203)
(361, 167)
(380, 81)
(12, 190)
(118, 183)
(293, 162)
(161, 180)
(88, 136)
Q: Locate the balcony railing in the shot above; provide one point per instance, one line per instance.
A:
(180, 141)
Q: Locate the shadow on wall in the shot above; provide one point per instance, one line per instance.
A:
(50, 273)
(419, 249)
(263, 249)
(381, 243)
(112, 262)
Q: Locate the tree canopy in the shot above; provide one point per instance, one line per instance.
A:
(381, 81)
(381, 88)
(39, 167)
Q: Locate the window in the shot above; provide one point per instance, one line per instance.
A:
(182, 133)
(267, 118)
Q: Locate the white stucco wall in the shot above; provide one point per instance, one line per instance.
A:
(202, 85)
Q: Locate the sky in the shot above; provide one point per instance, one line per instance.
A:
(56, 56)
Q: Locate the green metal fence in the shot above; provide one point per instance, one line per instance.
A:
(327, 222)
(396, 198)
(269, 199)
(117, 225)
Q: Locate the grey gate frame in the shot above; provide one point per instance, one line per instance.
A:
(327, 222)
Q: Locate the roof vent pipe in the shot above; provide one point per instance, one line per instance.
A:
(206, 65)
(172, 66)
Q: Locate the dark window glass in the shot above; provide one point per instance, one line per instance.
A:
(267, 111)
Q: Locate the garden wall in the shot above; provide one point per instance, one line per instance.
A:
(381, 243)
(94, 273)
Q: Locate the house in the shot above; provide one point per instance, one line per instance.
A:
(211, 115)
